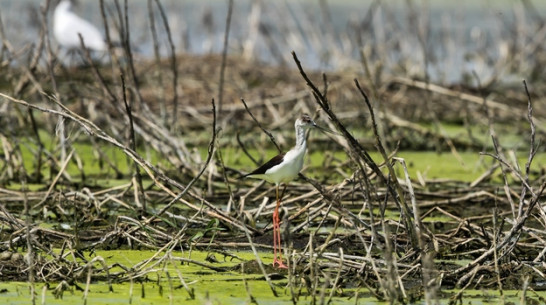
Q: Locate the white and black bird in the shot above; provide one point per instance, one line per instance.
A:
(67, 26)
(283, 168)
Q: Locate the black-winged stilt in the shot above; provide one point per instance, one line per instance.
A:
(283, 168)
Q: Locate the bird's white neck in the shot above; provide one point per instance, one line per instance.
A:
(300, 138)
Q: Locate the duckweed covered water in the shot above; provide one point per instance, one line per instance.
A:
(164, 285)
(209, 287)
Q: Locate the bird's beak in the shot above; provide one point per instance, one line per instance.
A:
(326, 130)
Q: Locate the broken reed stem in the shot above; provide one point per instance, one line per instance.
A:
(251, 298)
(525, 286)
(495, 253)
(111, 48)
(155, 40)
(131, 287)
(30, 250)
(44, 294)
(259, 261)
(157, 59)
(171, 288)
(224, 57)
(313, 278)
(132, 143)
(245, 151)
(427, 263)
(38, 156)
(126, 43)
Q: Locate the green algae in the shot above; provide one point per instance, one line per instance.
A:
(164, 284)
(465, 166)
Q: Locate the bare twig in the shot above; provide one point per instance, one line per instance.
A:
(271, 137)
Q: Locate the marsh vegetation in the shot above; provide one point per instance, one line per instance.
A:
(120, 174)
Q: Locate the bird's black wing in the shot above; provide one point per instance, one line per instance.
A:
(269, 164)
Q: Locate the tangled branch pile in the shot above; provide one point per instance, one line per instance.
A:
(65, 185)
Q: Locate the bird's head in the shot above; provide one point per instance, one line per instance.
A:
(305, 121)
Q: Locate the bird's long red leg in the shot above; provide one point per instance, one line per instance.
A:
(275, 227)
(281, 265)
(277, 260)
(275, 216)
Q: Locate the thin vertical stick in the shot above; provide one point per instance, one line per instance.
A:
(44, 293)
(132, 143)
(271, 137)
(171, 288)
(173, 64)
(224, 57)
(158, 74)
(523, 298)
(87, 284)
(532, 148)
(259, 261)
(30, 252)
(154, 31)
(107, 37)
(126, 42)
(131, 286)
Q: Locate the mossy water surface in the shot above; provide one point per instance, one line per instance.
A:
(164, 284)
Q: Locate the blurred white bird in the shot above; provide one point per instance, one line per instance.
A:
(67, 26)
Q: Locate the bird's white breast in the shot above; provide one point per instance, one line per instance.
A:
(288, 169)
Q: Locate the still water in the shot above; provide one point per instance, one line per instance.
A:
(450, 38)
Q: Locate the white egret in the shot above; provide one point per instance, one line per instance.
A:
(67, 25)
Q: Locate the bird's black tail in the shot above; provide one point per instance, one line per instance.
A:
(242, 176)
